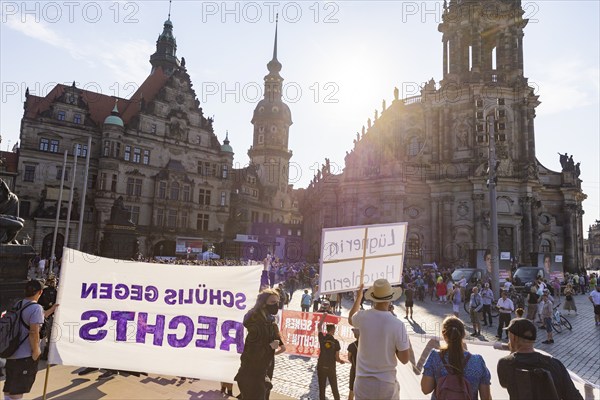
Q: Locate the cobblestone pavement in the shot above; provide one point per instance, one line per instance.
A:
(297, 376)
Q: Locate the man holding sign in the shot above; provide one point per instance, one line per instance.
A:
(383, 341)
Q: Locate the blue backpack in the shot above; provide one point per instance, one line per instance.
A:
(10, 327)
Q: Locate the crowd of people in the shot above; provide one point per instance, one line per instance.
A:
(381, 337)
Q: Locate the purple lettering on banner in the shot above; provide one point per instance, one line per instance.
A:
(105, 291)
(170, 295)
(227, 303)
(136, 292)
(240, 300)
(211, 332)
(151, 294)
(121, 291)
(215, 297)
(237, 339)
(122, 317)
(158, 329)
(87, 290)
(187, 336)
(101, 319)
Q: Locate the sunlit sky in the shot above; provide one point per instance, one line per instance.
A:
(340, 60)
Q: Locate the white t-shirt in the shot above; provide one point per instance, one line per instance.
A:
(381, 335)
(595, 295)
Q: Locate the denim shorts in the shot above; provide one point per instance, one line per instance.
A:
(548, 323)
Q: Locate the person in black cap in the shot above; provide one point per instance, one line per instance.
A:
(21, 366)
(329, 354)
(514, 371)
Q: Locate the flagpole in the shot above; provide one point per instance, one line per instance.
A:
(70, 206)
(52, 253)
(85, 180)
(62, 183)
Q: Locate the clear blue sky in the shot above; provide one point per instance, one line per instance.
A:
(340, 60)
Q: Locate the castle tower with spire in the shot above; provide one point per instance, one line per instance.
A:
(272, 120)
(166, 49)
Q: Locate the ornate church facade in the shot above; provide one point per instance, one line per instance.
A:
(424, 159)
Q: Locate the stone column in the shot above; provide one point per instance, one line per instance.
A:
(570, 240)
(445, 58)
(477, 219)
(520, 52)
(531, 135)
(527, 247)
(535, 232)
(447, 226)
(447, 140)
(435, 243)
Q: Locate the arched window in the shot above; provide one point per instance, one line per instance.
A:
(175, 191)
(413, 246)
(545, 246)
(414, 146)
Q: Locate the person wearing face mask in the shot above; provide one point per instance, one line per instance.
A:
(262, 343)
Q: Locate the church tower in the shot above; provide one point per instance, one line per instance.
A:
(272, 120)
(483, 41)
(166, 50)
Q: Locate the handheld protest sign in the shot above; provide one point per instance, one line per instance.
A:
(361, 254)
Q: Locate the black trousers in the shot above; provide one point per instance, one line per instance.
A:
(324, 374)
(504, 320)
(487, 313)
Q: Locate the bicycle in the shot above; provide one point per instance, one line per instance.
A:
(559, 320)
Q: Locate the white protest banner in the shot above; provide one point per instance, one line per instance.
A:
(343, 251)
(409, 375)
(176, 320)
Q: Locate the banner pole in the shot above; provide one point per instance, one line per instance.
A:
(46, 379)
(362, 268)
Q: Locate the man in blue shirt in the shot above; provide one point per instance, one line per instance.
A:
(21, 367)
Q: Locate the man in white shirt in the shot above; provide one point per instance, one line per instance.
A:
(383, 341)
(595, 299)
(41, 267)
(505, 308)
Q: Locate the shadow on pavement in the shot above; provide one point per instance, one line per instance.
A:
(207, 394)
(74, 383)
(416, 327)
(90, 392)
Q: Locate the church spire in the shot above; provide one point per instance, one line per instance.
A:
(275, 44)
(166, 48)
(274, 65)
(274, 81)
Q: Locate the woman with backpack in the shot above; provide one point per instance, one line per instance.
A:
(452, 372)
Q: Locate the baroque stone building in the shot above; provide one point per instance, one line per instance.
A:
(424, 159)
(156, 155)
(156, 150)
(592, 247)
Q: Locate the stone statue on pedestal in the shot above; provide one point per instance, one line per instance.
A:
(10, 223)
(119, 215)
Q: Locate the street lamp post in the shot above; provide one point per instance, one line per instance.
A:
(493, 208)
(491, 126)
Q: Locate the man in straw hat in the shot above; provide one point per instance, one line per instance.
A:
(383, 341)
